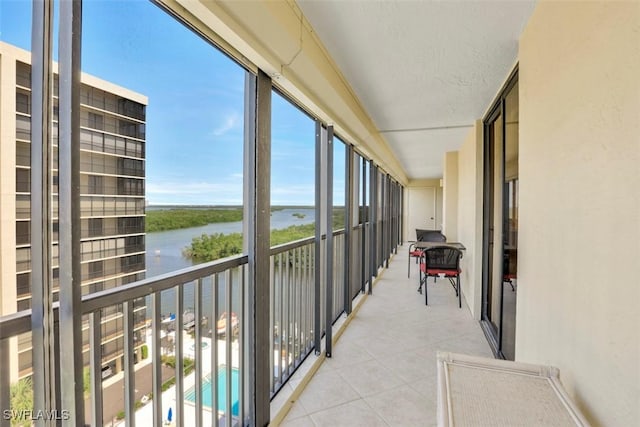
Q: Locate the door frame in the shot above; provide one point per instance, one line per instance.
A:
(493, 335)
(413, 211)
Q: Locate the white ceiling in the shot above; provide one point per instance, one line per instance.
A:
(423, 70)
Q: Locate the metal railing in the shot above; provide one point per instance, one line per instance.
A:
(292, 299)
(215, 291)
(216, 287)
(338, 274)
(223, 279)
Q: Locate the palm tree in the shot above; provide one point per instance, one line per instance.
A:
(22, 400)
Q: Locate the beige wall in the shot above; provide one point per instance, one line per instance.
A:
(7, 185)
(469, 217)
(450, 196)
(579, 248)
(8, 198)
(439, 207)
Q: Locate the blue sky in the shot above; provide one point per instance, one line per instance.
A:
(196, 104)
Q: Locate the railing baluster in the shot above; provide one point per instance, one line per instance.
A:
(241, 342)
(293, 310)
(297, 306)
(179, 356)
(198, 351)
(311, 295)
(215, 404)
(228, 342)
(281, 329)
(308, 300)
(337, 279)
(156, 352)
(303, 298)
(5, 385)
(95, 345)
(129, 373)
(287, 312)
(323, 290)
(340, 273)
(272, 321)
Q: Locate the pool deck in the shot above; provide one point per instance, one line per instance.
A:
(145, 414)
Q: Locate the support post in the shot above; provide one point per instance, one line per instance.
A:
(373, 218)
(329, 246)
(258, 187)
(317, 331)
(365, 218)
(71, 361)
(44, 363)
(348, 229)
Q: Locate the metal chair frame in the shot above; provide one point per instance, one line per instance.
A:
(446, 260)
(423, 236)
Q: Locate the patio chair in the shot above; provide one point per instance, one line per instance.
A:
(423, 236)
(510, 267)
(430, 235)
(440, 261)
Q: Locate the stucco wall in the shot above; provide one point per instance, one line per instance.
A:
(450, 196)
(7, 183)
(439, 207)
(579, 246)
(8, 290)
(469, 217)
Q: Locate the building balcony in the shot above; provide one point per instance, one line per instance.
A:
(217, 293)
(498, 123)
(383, 366)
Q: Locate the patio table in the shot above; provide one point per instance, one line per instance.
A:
(427, 245)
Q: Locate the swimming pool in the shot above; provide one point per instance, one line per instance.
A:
(204, 345)
(207, 394)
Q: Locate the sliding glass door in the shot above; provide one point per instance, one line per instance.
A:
(500, 240)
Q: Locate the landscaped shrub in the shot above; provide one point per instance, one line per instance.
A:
(167, 384)
(22, 399)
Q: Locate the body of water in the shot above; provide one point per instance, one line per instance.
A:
(207, 391)
(165, 254)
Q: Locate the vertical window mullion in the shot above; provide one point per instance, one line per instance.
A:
(44, 370)
(257, 193)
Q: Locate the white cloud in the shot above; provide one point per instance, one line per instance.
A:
(230, 122)
(227, 191)
(293, 195)
(201, 193)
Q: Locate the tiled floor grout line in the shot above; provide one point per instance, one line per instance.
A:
(395, 313)
(299, 389)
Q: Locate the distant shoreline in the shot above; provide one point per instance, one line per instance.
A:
(200, 207)
(175, 217)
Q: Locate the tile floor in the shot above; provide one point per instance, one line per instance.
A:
(383, 369)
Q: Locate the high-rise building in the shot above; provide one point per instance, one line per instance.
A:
(112, 168)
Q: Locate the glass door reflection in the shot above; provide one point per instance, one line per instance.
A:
(510, 226)
(500, 257)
